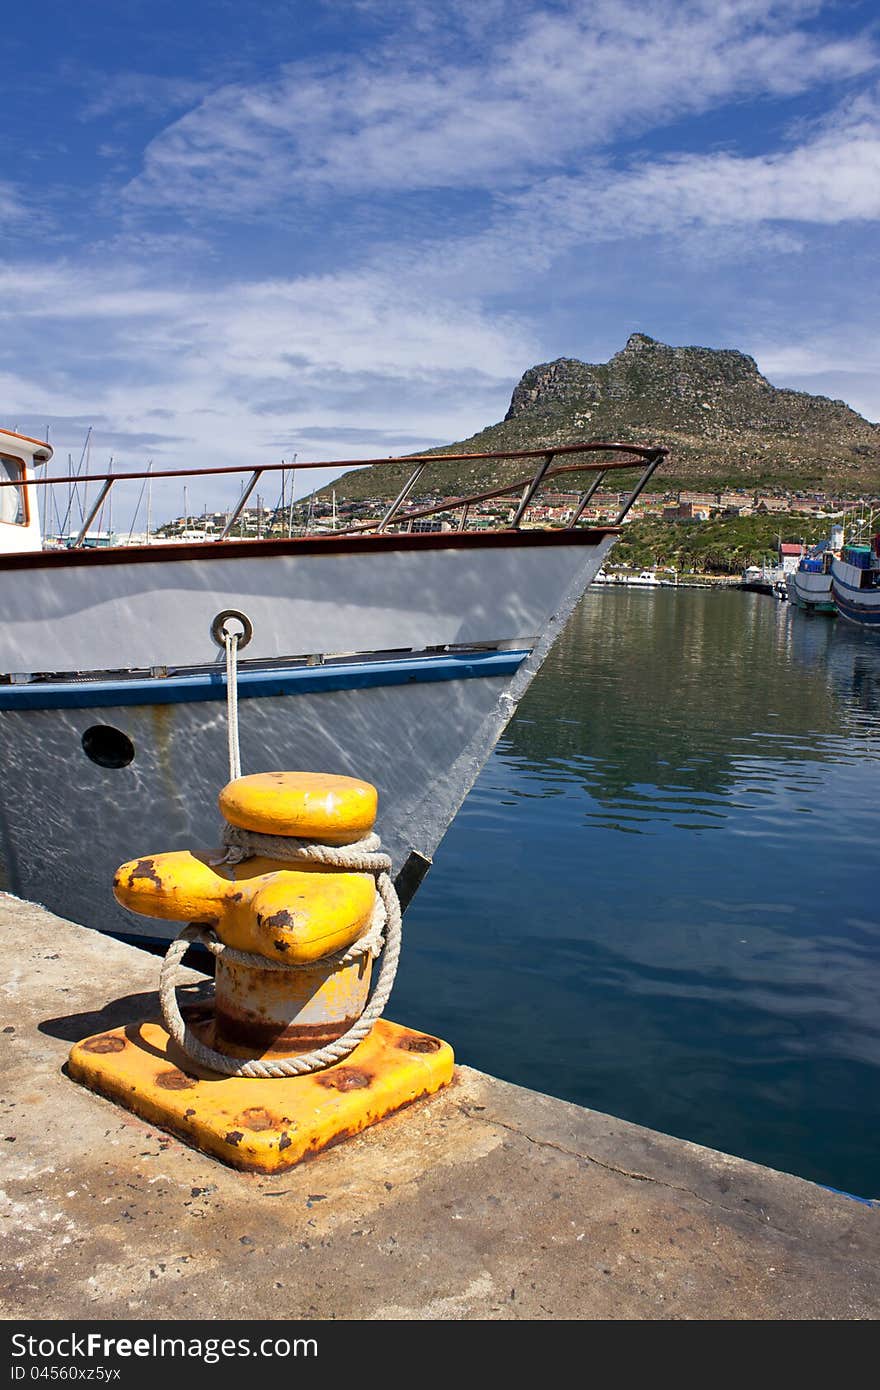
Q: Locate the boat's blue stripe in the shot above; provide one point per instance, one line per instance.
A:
(845, 584)
(858, 613)
(298, 680)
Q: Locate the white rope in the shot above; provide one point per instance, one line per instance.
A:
(230, 640)
(360, 857)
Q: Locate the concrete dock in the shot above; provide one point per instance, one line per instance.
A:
(486, 1201)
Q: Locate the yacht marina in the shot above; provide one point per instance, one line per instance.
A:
(628, 733)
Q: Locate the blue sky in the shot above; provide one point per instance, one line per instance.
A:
(232, 232)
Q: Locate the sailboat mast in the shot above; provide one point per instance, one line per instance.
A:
(110, 508)
(292, 494)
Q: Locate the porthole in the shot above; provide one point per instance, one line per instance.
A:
(108, 747)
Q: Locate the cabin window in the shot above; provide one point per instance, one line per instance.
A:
(12, 509)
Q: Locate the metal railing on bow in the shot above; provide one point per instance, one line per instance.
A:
(524, 492)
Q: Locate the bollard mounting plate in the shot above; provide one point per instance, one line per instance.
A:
(262, 1126)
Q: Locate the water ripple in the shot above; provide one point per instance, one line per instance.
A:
(664, 883)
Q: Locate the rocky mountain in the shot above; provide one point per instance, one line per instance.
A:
(724, 423)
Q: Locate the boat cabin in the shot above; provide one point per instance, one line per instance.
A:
(19, 514)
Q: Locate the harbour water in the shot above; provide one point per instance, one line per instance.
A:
(661, 898)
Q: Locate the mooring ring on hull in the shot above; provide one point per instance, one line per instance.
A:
(218, 628)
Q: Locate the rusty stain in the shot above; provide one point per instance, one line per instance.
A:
(344, 1079)
(267, 1036)
(420, 1044)
(319, 1143)
(257, 1117)
(174, 1080)
(266, 1126)
(105, 1043)
(278, 919)
(235, 897)
(144, 868)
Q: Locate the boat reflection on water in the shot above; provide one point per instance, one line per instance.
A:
(849, 660)
(663, 886)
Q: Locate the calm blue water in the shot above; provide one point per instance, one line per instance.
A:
(662, 898)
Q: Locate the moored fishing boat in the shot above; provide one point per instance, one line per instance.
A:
(855, 584)
(809, 586)
(396, 653)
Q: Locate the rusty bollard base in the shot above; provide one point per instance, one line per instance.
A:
(261, 1126)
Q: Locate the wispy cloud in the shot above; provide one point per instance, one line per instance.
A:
(130, 442)
(430, 211)
(833, 179)
(13, 206)
(707, 208)
(362, 436)
(114, 93)
(544, 89)
(842, 365)
(822, 356)
(328, 360)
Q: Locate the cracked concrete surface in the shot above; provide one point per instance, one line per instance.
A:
(487, 1201)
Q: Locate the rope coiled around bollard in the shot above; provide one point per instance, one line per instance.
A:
(363, 856)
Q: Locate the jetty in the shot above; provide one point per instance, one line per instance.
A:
(485, 1201)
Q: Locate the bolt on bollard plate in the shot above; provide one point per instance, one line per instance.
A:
(262, 1126)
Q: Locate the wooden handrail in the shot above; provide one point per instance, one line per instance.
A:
(637, 455)
(451, 504)
(641, 451)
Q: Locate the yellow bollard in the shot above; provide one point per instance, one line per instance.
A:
(295, 950)
(280, 914)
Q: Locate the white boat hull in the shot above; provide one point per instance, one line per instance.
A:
(810, 591)
(99, 611)
(418, 724)
(67, 824)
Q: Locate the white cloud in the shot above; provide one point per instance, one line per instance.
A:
(703, 208)
(822, 355)
(544, 88)
(358, 322)
(833, 179)
(216, 376)
(113, 93)
(518, 101)
(12, 206)
(842, 365)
